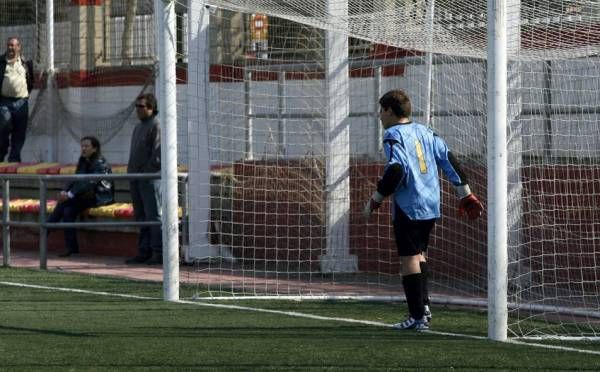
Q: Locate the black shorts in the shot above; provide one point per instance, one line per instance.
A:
(412, 236)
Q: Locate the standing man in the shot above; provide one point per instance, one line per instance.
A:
(16, 82)
(414, 154)
(145, 194)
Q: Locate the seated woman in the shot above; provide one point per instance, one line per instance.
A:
(80, 195)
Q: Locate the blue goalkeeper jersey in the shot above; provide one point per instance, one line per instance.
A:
(419, 152)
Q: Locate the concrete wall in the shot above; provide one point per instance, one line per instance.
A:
(459, 107)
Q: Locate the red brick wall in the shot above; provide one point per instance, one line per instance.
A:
(278, 215)
(279, 211)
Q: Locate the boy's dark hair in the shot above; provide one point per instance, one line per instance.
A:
(398, 101)
(95, 144)
(150, 101)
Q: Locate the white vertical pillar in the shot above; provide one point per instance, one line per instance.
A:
(377, 128)
(248, 112)
(198, 93)
(514, 188)
(281, 111)
(337, 257)
(54, 138)
(429, 79)
(164, 13)
(497, 170)
(50, 34)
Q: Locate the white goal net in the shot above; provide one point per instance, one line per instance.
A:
(270, 122)
(294, 144)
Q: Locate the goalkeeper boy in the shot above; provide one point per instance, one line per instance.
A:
(413, 154)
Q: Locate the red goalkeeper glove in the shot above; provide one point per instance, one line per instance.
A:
(372, 204)
(470, 206)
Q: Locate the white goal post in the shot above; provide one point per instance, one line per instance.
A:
(497, 122)
(272, 106)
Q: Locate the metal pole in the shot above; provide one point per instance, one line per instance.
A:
(428, 87)
(547, 100)
(54, 139)
(281, 100)
(50, 34)
(5, 219)
(497, 170)
(248, 151)
(198, 92)
(337, 180)
(164, 13)
(378, 143)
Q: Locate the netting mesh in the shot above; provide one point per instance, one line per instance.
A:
(549, 29)
(554, 151)
(269, 116)
(270, 144)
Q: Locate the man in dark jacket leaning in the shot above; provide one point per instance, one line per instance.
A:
(16, 83)
(144, 157)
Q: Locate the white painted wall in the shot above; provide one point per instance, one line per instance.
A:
(576, 84)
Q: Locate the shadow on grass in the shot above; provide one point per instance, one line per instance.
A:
(24, 330)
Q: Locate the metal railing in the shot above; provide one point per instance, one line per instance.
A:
(43, 226)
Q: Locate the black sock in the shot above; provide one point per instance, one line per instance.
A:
(414, 294)
(425, 283)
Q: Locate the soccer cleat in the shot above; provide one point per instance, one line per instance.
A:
(427, 315)
(412, 323)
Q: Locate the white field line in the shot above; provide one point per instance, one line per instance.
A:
(288, 313)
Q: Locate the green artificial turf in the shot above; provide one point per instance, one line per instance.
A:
(54, 330)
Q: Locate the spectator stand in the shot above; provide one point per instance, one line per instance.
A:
(105, 230)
